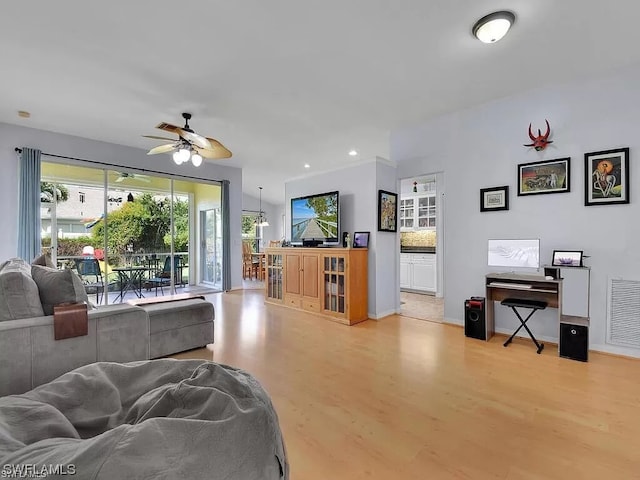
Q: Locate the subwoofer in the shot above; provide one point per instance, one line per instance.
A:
(574, 341)
(475, 323)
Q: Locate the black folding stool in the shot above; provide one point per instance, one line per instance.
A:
(534, 305)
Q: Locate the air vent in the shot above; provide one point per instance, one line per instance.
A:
(623, 316)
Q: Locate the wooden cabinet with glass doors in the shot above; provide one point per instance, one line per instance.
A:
(274, 277)
(328, 281)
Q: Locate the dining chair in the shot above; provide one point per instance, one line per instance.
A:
(249, 263)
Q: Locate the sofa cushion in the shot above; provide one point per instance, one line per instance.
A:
(19, 295)
(44, 260)
(58, 286)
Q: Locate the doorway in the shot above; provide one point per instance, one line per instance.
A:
(422, 246)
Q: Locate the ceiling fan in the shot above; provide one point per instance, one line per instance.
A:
(189, 144)
(133, 176)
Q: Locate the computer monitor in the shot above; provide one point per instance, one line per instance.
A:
(514, 253)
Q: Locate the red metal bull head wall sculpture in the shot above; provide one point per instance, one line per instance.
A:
(541, 141)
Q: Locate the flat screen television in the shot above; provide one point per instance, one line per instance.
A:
(316, 217)
(514, 253)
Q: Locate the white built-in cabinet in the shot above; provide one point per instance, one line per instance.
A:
(418, 212)
(418, 271)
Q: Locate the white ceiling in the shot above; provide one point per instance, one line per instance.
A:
(287, 82)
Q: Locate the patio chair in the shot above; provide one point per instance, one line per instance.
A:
(163, 277)
(89, 271)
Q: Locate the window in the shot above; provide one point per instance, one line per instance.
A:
(250, 231)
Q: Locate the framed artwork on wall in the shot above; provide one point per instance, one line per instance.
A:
(495, 198)
(606, 177)
(548, 176)
(387, 211)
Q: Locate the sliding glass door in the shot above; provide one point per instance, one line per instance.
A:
(138, 229)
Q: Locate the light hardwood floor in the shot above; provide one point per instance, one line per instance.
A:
(405, 399)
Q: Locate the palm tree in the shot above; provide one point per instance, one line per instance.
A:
(47, 191)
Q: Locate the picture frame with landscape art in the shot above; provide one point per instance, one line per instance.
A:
(495, 198)
(606, 177)
(548, 176)
(387, 211)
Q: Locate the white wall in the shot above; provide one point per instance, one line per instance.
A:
(12, 136)
(482, 147)
(358, 186)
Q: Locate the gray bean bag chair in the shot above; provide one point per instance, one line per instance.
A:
(158, 419)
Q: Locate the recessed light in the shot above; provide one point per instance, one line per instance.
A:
(492, 27)
(23, 114)
(353, 153)
(306, 165)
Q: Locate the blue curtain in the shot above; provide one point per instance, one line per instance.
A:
(226, 238)
(29, 242)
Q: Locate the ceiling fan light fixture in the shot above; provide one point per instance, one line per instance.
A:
(493, 27)
(196, 159)
(177, 158)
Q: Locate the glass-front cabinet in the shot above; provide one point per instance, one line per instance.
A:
(407, 213)
(418, 212)
(274, 276)
(334, 284)
(427, 212)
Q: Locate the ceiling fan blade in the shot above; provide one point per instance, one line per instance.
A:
(159, 138)
(162, 148)
(216, 152)
(119, 179)
(196, 139)
(167, 127)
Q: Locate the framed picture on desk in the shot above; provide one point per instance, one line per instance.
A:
(567, 258)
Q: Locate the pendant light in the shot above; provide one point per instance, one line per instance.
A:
(261, 220)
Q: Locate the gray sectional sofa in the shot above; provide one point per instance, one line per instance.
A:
(29, 354)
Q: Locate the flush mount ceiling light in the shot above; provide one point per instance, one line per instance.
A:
(492, 27)
(353, 153)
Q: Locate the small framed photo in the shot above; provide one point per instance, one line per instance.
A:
(496, 198)
(549, 176)
(387, 211)
(567, 258)
(361, 240)
(606, 177)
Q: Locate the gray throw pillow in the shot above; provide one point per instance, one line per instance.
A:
(19, 296)
(58, 286)
(44, 260)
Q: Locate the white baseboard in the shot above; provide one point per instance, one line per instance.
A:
(380, 315)
(615, 350)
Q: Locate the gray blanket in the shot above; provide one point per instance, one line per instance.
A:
(159, 419)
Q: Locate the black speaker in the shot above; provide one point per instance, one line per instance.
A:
(344, 239)
(475, 325)
(574, 341)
